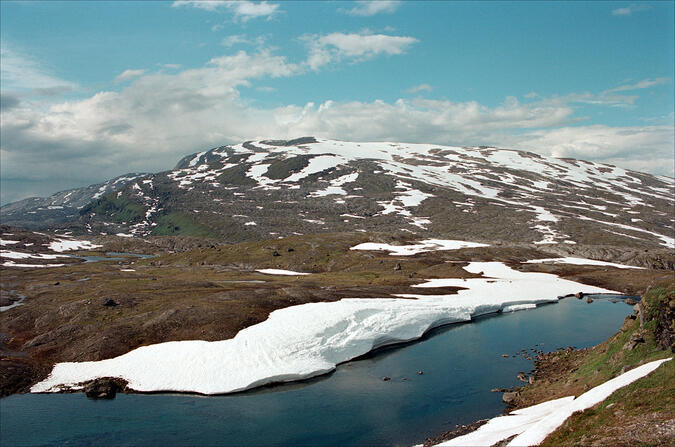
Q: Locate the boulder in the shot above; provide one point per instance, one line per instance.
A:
(104, 388)
(510, 397)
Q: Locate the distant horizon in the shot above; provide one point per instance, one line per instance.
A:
(93, 90)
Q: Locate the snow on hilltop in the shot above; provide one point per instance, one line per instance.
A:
(311, 339)
(260, 189)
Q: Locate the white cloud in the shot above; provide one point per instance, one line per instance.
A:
(629, 10)
(645, 83)
(129, 74)
(246, 10)
(234, 39)
(243, 9)
(21, 72)
(158, 117)
(420, 88)
(330, 48)
(643, 148)
(371, 8)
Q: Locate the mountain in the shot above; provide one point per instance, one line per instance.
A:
(260, 190)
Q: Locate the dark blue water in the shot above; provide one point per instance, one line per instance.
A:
(351, 407)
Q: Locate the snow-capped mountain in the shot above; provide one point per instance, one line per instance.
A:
(269, 189)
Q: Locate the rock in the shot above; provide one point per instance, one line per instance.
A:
(589, 300)
(104, 388)
(509, 397)
(523, 377)
(637, 338)
(420, 372)
(630, 301)
(276, 253)
(627, 323)
(291, 250)
(398, 266)
(57, 283)
(579, 295)
(505, 356)
(109, 302)
(386, 379)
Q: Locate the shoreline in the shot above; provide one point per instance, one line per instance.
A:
(557, 373)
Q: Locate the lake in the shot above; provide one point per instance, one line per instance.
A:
(353, 406)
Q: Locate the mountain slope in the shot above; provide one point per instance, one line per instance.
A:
(267, 189)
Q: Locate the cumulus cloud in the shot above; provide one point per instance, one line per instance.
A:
(334, 47)
(420, 88)
(243, 9)
(371, 8)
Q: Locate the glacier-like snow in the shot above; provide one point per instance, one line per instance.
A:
(311, 339)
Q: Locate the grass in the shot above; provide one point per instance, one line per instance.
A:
(633, 414)
(118, 208)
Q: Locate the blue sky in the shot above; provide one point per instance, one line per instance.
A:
(92, 90)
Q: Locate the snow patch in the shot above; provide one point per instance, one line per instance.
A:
(534, 424)
(280, 272)
(420, 247)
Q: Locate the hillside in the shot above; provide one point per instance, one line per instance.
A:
(267, 189)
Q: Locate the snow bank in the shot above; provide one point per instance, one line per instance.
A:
(423, 246)
(311, 339)
(280, 272)
(67, 244)
(581, 261)
(534, 424)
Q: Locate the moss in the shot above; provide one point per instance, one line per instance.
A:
(172, 224)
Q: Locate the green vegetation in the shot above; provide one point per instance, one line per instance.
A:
(630, 416)
(117, 207)
(174, 224)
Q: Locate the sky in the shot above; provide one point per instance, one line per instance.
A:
(93, 90)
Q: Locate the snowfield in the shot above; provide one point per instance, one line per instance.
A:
(311, 339)
(534, 424)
